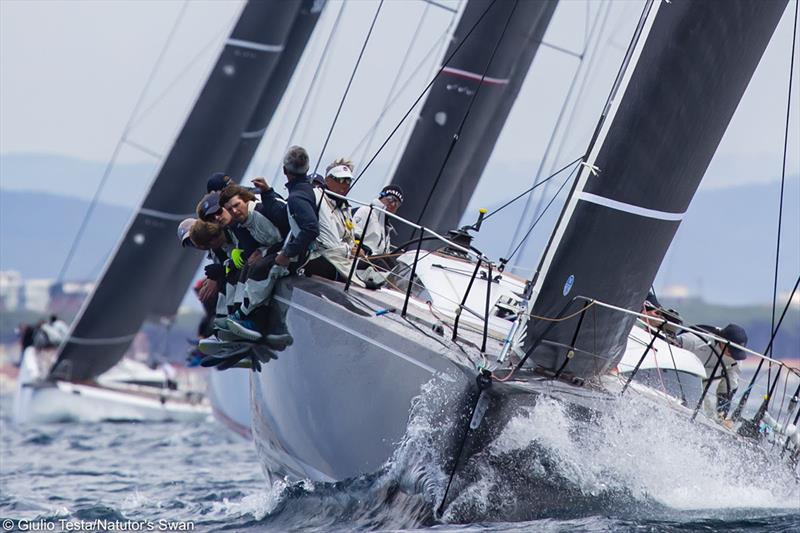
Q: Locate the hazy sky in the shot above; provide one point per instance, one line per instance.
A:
(72, 72)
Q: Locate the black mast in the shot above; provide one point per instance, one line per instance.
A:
(667, 113)
(129, 287)
(449, 99)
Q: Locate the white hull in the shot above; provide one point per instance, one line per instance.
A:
(38, 401)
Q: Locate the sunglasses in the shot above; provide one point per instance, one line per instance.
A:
(341, 180)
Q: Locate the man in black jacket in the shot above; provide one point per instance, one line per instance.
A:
(302, 207)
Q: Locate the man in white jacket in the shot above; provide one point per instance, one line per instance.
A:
(376, 235)
(334, 247)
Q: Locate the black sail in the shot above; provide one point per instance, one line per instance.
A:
(299, 34)
(671, 106)
(129, 287)
(449, 99)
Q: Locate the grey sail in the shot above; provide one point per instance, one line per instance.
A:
(449, 99)
(128, 289)
(665, 118)
(299, 34)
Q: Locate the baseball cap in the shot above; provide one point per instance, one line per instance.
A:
(209, 205)
(736, 334)
(183, 231)
(392, 190)
(217, 182)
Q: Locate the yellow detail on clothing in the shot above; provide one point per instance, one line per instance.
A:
(237, 256)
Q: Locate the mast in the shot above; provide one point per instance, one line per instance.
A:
(449, 99)
(673, 100)
(300, 32)
(131, 282)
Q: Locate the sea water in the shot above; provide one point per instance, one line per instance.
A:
(624, 475)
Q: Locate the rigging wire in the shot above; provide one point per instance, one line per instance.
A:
(530, 189)
(112, 161)
(423, 93)
(389, 97)
(347, 89)
(182, 74)
(535, 222)
(405, 135)
(322, 60)
(783, 181)
(474, 97)
(590, 63)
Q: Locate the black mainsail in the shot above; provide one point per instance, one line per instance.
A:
(299, 34)
(127, 291)
(667, 113)
(449, 99)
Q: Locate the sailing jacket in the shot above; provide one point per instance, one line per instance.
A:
(703, 350)
(302, 216)
(260, 227)
(374, 237)
(273, 206)
(335, 227)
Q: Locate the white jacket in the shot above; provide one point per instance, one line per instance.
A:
(376, 235)
(260, 227)
(335, 228)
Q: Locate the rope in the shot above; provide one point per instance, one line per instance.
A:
(349, 83)
(112, 161)
(422, 94)
(562, 319)
(474, 97)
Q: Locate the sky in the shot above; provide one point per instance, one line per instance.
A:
(71, 74)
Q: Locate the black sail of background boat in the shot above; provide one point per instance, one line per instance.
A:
(147, 276)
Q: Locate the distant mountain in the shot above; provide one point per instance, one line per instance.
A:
(37, 230)
(76, 178)
(724, 250)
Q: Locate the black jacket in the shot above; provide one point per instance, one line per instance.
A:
(302, 207)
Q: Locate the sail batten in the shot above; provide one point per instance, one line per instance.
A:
(665, 118)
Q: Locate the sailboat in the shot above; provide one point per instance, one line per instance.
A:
(486, 344)
(146, 275)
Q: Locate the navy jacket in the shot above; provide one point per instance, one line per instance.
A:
(273, 206)
(302, 208)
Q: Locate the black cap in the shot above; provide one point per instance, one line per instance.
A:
(209, 205)
(736, 334)
(651, 300)
(392, 190)
(217, 182)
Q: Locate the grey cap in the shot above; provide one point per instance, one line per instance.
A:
(296, 160)
(183, 230)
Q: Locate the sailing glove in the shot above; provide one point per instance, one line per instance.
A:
(237, 256)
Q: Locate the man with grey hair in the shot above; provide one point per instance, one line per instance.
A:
(302, 208)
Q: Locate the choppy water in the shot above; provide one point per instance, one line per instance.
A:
(633, 480)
